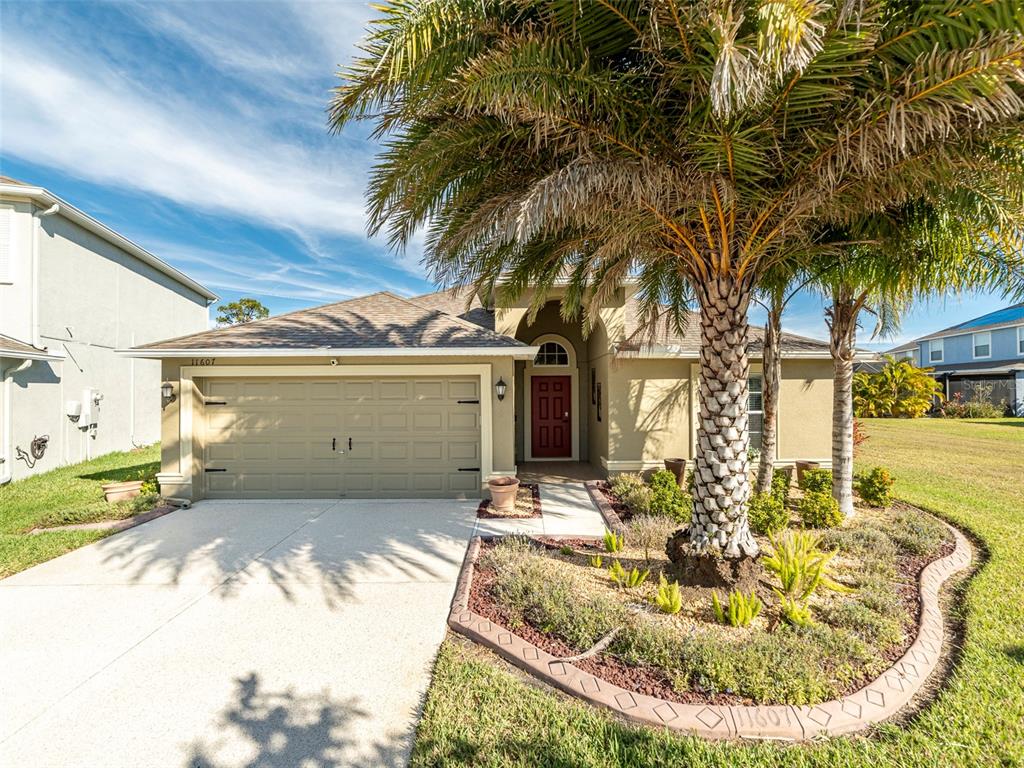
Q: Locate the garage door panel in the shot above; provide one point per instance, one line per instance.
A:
(409, 437)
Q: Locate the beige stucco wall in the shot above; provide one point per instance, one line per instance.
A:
(93, 298)
(649, 411)
(502, 412)
(805, 410)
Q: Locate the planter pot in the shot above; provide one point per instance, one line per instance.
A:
(128, 489)
(503, 492)
(803, 466)
(678, 468)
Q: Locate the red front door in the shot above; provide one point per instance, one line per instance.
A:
(550, 410)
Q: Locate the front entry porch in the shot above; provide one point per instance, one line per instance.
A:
(558, 472)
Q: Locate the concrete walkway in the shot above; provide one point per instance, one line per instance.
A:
(276, 634)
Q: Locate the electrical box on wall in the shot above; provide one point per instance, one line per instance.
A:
(89, 417)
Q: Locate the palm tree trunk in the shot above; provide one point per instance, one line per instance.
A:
(722, 488)
(842, 323)
(772, 360)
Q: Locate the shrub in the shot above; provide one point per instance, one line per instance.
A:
(820, 510)
(914, 532)
(876, 487)
(669, 599)
(900, 390)
(978, 404)
(743, 609)
(649, 532)
(567, 550)
(781, 480)
(144, 502)
(794, 612)
(816, 480)
(597, 561)
(632, 491)
(627, 579)
(767, 513)
(870, 626)
(668, 499)
(613, 542)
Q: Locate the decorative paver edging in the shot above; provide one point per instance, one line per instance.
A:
(114, 526)
(611, 517)
(877, 701)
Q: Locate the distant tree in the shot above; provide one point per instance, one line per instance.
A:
(241, 311)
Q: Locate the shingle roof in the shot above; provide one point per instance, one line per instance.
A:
(11, 347)
(454, 303)
(368, 322)
(1000, 317)
(687, 344)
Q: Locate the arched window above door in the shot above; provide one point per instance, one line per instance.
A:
(551, 353)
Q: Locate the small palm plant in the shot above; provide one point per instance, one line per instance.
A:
(801, 568)
(669, 598)
(613, 542)
(743, 609)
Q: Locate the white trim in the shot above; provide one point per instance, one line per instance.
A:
(519, 353)
(631, 466)
(964, 331)
(47, 199)
(941, 350)
(188, 372)
(974, 345)
(13, 355)
(660, 351)
(1020, 339)
(572, 371)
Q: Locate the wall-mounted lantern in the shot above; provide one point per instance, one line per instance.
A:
(167, 393)
(500, 388)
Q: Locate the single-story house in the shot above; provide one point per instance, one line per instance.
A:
(382, 396)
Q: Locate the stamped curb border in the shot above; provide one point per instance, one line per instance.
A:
(113, 526)
(611, 517)
(875, 702)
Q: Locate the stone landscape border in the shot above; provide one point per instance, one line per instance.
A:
(114, 526)
(875, 702)
(611, 517)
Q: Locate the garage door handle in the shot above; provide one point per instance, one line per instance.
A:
(208, 469)
(334, 443)
(468, 402)
(469, 469)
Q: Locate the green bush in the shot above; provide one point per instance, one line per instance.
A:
(900, 390)
(144, 502)
(800, 565)
(819, 510)
(668, 499)
(872, 627)
(876, 487)
(767, 514)
(781, 479)
(632, 491)
(624, 579)
(613, 542)
(816, 480)
(649, 533)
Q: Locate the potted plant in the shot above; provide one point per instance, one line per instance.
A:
(803, 466)
(119, 490)
(503, 492)
(678, 468)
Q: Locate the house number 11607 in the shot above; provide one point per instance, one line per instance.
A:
(203, 360)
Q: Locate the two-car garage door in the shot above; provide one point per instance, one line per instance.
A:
(340, 437)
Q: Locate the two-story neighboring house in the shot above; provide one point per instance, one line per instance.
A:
(71, 292)
(986, 351)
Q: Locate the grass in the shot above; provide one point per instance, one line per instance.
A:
(65, 495)
(478, 713)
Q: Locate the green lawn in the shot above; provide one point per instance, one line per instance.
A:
(479, 714)
(70, 494)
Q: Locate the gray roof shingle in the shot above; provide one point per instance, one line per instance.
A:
(368, 322)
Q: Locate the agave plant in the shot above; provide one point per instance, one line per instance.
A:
(691, 144)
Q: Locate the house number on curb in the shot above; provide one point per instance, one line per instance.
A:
(203, 360)
(762, 718)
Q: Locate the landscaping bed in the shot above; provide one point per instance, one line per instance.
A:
(560, 596)
(527, 505)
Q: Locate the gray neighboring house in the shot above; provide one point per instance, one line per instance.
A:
(71, 292)
(973, 356)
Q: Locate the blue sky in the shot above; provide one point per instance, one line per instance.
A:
(198, 130)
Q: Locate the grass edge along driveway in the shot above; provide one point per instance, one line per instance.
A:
(479, 714)
(65, 491)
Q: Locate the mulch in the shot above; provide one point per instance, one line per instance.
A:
(527, 505)
(654, 681)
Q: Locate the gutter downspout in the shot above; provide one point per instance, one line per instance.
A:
(7, 459)
(36, 228)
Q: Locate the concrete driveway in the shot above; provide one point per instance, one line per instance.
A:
(232, 634)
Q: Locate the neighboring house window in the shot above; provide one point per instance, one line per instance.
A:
(551, 353)
(1020, 339)
(755, 411)
(936, 348)
(982, 345)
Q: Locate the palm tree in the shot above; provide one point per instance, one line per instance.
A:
(696, 141)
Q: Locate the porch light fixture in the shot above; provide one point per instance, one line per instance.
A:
(167, 393)
(500, 388)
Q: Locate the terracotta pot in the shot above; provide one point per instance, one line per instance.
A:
(802, 466)
(503, 492)
(127, 489)
(678, 468)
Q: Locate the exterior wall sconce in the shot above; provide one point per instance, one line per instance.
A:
(167, 393)
(500, 388)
